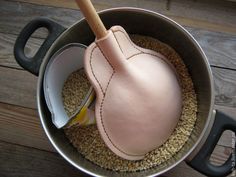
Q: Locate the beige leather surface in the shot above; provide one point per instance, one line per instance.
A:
(138, 100)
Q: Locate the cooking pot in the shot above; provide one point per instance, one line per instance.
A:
(210, 123)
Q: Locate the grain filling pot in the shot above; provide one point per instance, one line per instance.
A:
(210, 123)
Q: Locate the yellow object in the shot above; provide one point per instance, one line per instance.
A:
(85, 116)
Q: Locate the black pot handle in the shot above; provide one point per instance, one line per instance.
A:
(201, 161)
(33, 64)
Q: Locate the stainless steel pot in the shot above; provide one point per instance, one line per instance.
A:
(210, 123)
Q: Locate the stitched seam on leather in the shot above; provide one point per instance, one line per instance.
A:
(148, 54)
(103, 99)
(117, 42)
(104, 94)
(163, 59)
(101, 115)
(101, 107)
(134, 55)
(90, 62)
(131, 42)
(105, 57)
(109, 82)
(141, 52)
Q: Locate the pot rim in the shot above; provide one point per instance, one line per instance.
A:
(167, 19)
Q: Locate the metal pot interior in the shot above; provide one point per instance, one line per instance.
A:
(136, 21)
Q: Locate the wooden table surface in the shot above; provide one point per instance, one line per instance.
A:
(25, 150)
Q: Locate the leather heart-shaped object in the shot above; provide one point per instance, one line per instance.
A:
(138, 97)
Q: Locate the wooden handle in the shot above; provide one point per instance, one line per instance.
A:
(92, 18)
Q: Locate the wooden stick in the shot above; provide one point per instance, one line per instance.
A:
(92, 18)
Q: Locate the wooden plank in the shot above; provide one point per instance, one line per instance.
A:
(199, 14)
(219, 156)
(231, 111)
(22, 126)
(225, 87)
(220, 48)
(25, 135)
(183, 170)
(212, 16)
(14, 16)
(212, 11)
(54, 3)
(19, 161)
(7, 42)
(202, 24)
(99, 4)
(18, 87)
(227, 137)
